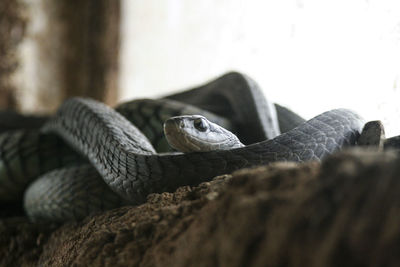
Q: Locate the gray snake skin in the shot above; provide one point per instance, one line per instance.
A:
(131, 167)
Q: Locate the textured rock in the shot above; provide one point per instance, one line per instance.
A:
(343, 212)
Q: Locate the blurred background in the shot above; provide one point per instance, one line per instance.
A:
(308, 55)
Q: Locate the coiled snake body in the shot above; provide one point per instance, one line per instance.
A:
(131, 167)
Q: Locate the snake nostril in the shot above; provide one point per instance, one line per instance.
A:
(181, 124)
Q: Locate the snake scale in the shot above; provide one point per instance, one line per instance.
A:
(107, 143)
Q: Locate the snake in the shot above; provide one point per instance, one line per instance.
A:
(98, 158)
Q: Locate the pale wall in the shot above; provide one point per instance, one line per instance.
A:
(310, 55)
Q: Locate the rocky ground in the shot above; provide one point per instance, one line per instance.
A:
(343, 212)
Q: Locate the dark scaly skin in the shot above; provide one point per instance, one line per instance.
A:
(129, 165)
(372, 135)
(28, 154)
(237, 97)
(149, 115)
(11, 120)
(392, 143)
(287, 119)
(133, 169)
(80, 184)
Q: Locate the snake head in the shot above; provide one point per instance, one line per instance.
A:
(192, 133)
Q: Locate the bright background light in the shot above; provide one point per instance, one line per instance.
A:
(309, 55)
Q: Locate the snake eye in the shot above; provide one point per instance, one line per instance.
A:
(200, 124)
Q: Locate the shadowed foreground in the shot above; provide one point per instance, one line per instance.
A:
(345, 212)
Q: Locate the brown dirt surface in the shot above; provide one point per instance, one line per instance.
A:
(343, 212)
